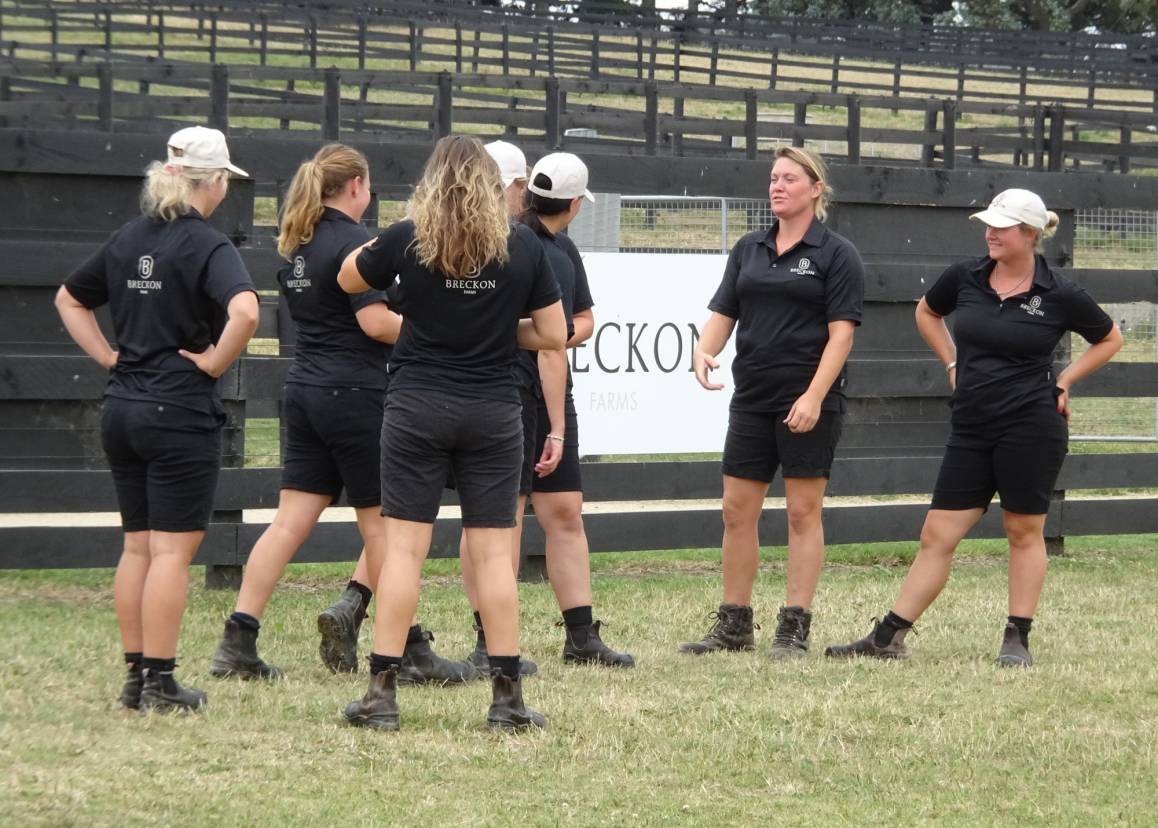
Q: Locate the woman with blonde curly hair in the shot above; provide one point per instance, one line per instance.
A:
(463, 278)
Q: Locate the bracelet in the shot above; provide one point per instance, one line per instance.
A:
(555, 437)
(950, 366)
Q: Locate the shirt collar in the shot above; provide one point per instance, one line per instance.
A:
(1042, 275)
(333, 214)
(814, 236)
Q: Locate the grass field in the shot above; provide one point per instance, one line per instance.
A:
(944, 739)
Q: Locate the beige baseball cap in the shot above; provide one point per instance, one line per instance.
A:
(1011, 207)
(201, 148)
(512, 163)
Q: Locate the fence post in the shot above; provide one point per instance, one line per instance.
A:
(651, 117)
(108, 31)
(799, 121)
(655, 48)
(5, 95)
(105, 97)
(928, 151)
(773, 68)
(1022, 84)
(1039, 138)
(477, 46)
(331, 105)
(675, 67)
(949, 130)
(551, 113)
(213, 37)
(751, 140)
(512, 106)
(362, 27)
(854, 129)
(1057, 125)
(550, 50)
(594, 72)
(638, 54)
(313, 42)
(1124, 158)
(445, 104)
(960, 82)
(219, 97)
(896, 81)
(506, 49)
(1093, 88)
(264, 39)
(677, 138)
(458, 46)
(835, 74)
(715, 63)
(413, 46)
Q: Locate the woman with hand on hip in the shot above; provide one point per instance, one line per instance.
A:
(793, 293)
(169, 278)
(1009, 426)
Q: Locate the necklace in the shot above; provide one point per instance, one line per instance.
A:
(1005, 294)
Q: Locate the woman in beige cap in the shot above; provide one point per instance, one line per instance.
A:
(1009, 425)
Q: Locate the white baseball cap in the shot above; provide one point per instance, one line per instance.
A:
(201, 148)
(512, 163)
(560, 175)
(1012, 207)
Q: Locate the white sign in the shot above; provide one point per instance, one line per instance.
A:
(635, 391)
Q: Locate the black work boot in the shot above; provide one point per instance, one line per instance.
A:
(1014, 651)
(131, 693)
(792, 627)
(733, 630)
(482, 665)
(339, 625)
(378, 709)
(421, 665)
(584, 646)
(507, 709)
(161, 692)
(894, 648)
(236, 655)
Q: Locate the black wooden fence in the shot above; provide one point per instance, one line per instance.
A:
(62, 191)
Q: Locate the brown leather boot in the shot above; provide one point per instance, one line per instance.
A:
(378, 709)
(507, 709)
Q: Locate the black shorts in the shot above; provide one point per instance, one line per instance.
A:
(428, 434)
(567, 476)
(164, 460)
(530, 450)
(758, 443)
(331, 441)
(1019, 458)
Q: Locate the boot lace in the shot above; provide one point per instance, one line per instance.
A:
(789, 631)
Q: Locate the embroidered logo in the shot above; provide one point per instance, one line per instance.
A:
(145, 283)
(299, 282)
(145, 266)
(1033, 306)
(803, 268)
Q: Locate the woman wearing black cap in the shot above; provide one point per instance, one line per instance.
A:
(794, 294)
(1010, 411)
(167, 276)
(462, 278)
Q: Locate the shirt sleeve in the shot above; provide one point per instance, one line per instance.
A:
(1086, 317)
(726, 301)
(225, 275)
(942, 296)
(544, 286)
(365, 300)
(380, 262)
(88, 284)
(844, 286)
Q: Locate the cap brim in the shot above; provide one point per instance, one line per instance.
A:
(237, 170)
(994, 219)
(587, 195)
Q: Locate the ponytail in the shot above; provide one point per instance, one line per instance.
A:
(320, 178)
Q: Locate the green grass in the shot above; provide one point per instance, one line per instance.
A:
(943, 739)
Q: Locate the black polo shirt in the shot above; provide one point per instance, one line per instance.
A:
(567, 265)
(168, 284)
(460, 333)
(332, 350)
(1005, 348)
(783, 305)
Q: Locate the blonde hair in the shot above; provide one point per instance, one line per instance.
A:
(322, 177)
(816, 169)
(1051, 223)
(458, 209)
(169, 188)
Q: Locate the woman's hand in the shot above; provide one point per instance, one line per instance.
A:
(952, 372)
(702, 364)
(205, 361)
(803, 415)
(552, 454)
(1063, 401)
(110, 361)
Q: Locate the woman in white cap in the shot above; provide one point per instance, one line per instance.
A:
(167, 276)
(1010, 413)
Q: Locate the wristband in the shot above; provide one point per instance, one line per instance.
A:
(555, 437)
(950, 366)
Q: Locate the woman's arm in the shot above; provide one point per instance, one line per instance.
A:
(243, 316)
(1094, 358)
(935, 332)
(805, 412)
(584, 323)
(81, 324)
(553, 377)
(349, 277)
(712, 340)
(378, 322)
(546, 329)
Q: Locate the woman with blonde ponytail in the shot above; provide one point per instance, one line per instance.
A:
(463, 277)
(1009, 426)
(334, 391)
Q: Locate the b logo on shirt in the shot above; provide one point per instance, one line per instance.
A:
(145, 266)
(144, 270)
(803, 268)
(1033, 307)
(298, 282)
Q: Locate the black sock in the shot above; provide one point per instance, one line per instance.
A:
(134, 662)
(1023, 625)
(415, 634)
(245, 621)
(379, 663)
(889, 627)
(578, 621)
(507, 665)
(163, 668)
(362, 590)
(482, 638)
